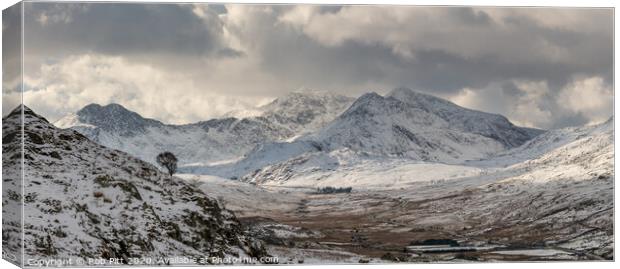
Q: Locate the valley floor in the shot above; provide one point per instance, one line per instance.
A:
(495, 214)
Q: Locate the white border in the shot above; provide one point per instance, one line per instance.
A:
(551, 3)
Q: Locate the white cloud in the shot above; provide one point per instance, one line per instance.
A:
(248, 25)
(525, 109)
(489, 99)
(557, 18)
(590, 96)
(534, 104)
(200, 10)
(299, 15)
(69, 85)
(530, 109)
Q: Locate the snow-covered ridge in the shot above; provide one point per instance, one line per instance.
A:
(467, 120)
(409, 124)
(404, 123)
(548, 142)
(86, 200)
(306, 110)
(374, 127)
(206, 141)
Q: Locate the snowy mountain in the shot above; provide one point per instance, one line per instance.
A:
(409, 124)
(412, 160)
(115, 118)
(85, 200)
(589, 150)
(206, 142)
(306, 110)
(570, 153)
(489, 125)
(551, 198)
(403, 124)
(385, 126)
(262, 156)
(547, 142)
(566, 193)
(554, 191)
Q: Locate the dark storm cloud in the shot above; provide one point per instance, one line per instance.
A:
(121, 29)
(11, 58)
(470, 16)
(511, 90)
(11, 43)
(511, 54)
(265, 51)
(432, 70)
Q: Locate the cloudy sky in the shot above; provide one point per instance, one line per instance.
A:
(540, 67)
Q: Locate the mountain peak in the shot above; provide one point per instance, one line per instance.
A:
(306, 109)
(112, 107)
(370, 95)
(114, 117)
(414, 115)
(416, 97)
(305, 99)
(366, 99)
(310, 94)
(16, 113)
(401, 90)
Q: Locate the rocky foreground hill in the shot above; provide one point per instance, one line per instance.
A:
(83, 200)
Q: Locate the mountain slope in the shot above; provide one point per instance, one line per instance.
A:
(260, 157)
(467, 120)
(421, 127)
(559, 196)
(563, 197)
(116, 118)
(205, 142)
(558, 199)
(306, 110)
(546, 143)
(85, 200)
(208, 141)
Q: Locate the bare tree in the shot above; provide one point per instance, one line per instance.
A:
(169, 161)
